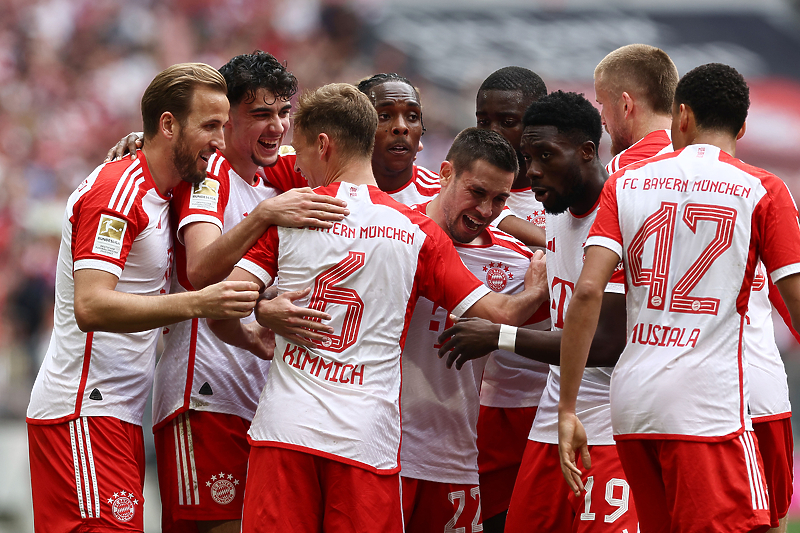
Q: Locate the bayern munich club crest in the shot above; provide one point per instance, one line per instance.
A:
(223, 488)
(123, 505)
(497, 276)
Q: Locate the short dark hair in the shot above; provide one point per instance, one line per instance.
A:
(474, 144)
(642, 70)
(571, 113)
(172, 90)
(516, 79)
(718, 96)
(384, 77)
(245, 74)
(343, 113)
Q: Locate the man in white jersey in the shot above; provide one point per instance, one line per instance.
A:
(634, 86)
(439, 453)
(329, 415)
(205, 391)
(679, 391)
(512, 385)
(562, 131)
(85, 414)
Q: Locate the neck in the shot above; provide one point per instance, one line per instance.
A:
(243, 166)
(721, 140)
(594, 179)
(391, 181)
(652, 122)
(159, 163)
(356, 171)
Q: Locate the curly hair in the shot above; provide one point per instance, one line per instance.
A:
(571, 113)
(718, 96)
(516, 79)
(245, 74)
(474, 144)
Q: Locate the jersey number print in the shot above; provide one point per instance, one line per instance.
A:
(326, 292)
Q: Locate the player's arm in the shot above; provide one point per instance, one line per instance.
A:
(471, 338)
(99, 307)
(211, 254)
(789, 287)
(530, 234)
(127, 145)
(515, 308)
(580, 325)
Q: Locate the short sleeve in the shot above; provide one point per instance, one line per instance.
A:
(202, 202)
(262, 259)
(775, 220)
(282, 174)
(605, 231)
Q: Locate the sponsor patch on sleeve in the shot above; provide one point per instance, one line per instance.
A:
(110, 234)
(205, 195)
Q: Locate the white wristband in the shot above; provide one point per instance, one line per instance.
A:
(508, 338)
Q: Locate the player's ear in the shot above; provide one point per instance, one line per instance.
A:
(588, 150)
(741, 131)
(686, 118)
(167, 124)
(627, 104)
(446, 172)
(323, 146)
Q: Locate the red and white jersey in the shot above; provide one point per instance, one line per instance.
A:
(766, 375)
(524, 205)
(115, 221)
(566, 235)
(439, 405)
(423, 186)
(654, 143)
(197, 370)
(342, 400)
(682, 223)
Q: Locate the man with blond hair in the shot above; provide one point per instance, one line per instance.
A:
(326, 434)
(635, 85)
(85, 414)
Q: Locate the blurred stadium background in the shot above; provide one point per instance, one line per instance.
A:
(72, 73)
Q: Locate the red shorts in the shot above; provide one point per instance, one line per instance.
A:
(777, 447)
(431, 507)
(202, 468)
(543, 502)
(502, 437)
(87, 474)
(693, 486)
(288, 490)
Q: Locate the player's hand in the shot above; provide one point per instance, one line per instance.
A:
(127, 145)
(571, 441)
(302, 207)
(292, 322)
(536, 275)
(261, 340)
(228, 299)
(469, 338)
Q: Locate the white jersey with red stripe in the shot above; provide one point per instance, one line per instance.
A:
(342, 400)
(439, 405)
(566, 234)
(116, 221)
(523, 204)
(423, 187)
(769, 390)
(197, 370)
(683, 223)
(655, 143)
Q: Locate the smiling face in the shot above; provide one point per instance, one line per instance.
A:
(553, 165)
(399, 126)
(256, 129)
(200, 135)
(473, 199)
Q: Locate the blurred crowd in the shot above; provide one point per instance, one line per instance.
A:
(71, 77)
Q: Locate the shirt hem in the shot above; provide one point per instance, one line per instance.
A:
(770, 418)
(325, 455)
(678, 436)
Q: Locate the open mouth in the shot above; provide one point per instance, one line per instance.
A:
(539, 194)
(472, 224)
(399, 149)
(268, 145)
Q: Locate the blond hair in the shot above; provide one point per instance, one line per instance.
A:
(643, 71)
(171, 92)
(342, 112)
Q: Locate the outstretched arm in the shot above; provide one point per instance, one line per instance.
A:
(471, 338)
(530, 234)
(211, 254)
(517, 308)
(580, 325)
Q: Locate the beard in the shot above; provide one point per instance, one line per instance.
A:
(574, 190)
(186, 163)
